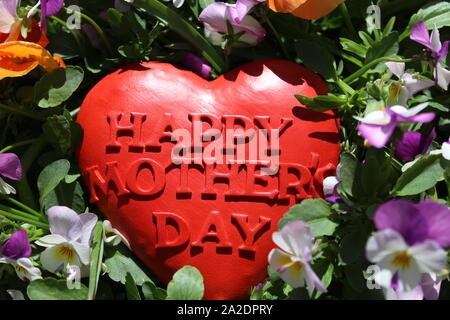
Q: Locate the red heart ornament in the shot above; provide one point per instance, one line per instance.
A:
(182, 202)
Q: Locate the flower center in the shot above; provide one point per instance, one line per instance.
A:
(395, 89)
(21, 269)
(401, 260)
(66, 253)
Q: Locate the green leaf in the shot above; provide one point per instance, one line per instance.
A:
(152, 292)
(62, 133)
(175, 22)
(186, 284)
(423, 175)
(353, 47)
(52, 289)
(386, 47)
(322, 103)
(65, 194)
(316, 58)
(349, 166)
(57, 86)
(132, 290)
(96, 260)
(119, 265)
(51, 176)
(436, 15)
(326, 277)
(315, 212)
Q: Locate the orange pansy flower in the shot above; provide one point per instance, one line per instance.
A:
(306, 9)
(17, 58)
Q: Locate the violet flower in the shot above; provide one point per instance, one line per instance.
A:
(413, 144)
(10, 168)
(377, 127)
(292, 262)
(428, 289)
(409, 242)
(217, 14)
(68, 245)
(330, 185)
(48, 8)
(407, 86)
(16, 252)
(420, 34)
(196, 64)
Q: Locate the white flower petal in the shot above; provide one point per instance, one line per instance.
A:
(397, 68)
(88, 221)
(25, 270)
(295, 238)
(16, 294)
(409, 278)
(6, 19)
(384, 277)
(178, 3)
(5, 188)
(329, 184)
(383, 244)
(436, 39)
(375, 117)
(51, 240)
(312, 280)
(55, 258)
(429, 256)
(446, 150)
(415, 294)
(82, 251)
(401, 110)
(442, 76)
(65, 222)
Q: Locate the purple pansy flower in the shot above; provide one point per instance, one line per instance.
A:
(196, 64)
(428, 289)
(377, 127)
(330, 185)
(420, 34)
(409, 242)
(10, 168)
(16, 252)
(217, 14)
(413, 144)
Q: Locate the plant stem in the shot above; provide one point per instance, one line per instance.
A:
(276, 34)
(347, 19)
(18, 212)
(23, 206)
(23, 219)
(74, 34)
(20, 112)
(370, 65)
(19, 144)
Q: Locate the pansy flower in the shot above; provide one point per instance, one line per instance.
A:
(48, 8)
(10, 168)
(377, 127)
(218, 15)
(420, 34)
(68, 243)
(292, 262)
(112, 236)
(407, 86)
(196, 64)
(413, 144)
(409, 242)
(16, 252)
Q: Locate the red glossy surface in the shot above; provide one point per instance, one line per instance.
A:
(216, 218)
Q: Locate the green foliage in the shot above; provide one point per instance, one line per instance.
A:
(186, 284)
(53, 289)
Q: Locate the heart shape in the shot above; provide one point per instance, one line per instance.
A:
(179, 202)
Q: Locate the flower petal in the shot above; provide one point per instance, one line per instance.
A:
(7, 16)
(196, 64)
(25, 270)
(312, 280)
(437, 217)
(56, 257)
(431, 286)
(429, 256)
(415, 294)
(412, 144)
(435, 40)
(375, 117)
(295, 238)
(377, 135)
(397, 68)
(446, 150)
(313, 9)
(53, 6)
(65, 222)
(18, 246)
(404, 217)
(10, 166)
(284, 5)
(383, 244)
(279, 260)
(5, 188)
(17, 58)
(50, 240)
(442, 76)
(420, 34)
(82, 251)
(88, 220)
